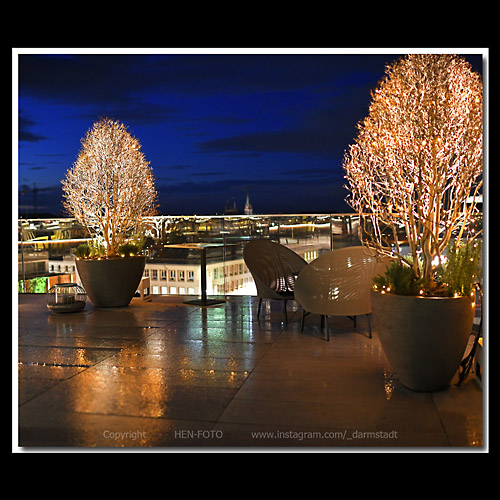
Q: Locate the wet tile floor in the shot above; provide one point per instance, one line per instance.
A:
(166, 374)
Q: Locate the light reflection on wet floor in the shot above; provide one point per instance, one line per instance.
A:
(163, 373)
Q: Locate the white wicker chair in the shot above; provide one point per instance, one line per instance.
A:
(338, 284)
(274, 269)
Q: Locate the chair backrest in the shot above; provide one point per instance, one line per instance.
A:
(274, 267)
(338, 283)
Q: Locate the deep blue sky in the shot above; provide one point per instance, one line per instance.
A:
(214, 127)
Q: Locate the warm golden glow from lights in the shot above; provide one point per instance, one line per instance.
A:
(418, 157)
(110, 188)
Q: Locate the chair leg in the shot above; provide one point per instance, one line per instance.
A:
(258, 310)
(327, 331)
(303, 320)
(284, 311)
(369, 325)
(353, 318)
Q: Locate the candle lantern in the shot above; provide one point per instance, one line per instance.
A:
(66, 297)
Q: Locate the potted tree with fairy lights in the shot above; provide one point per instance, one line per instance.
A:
(413, 173)
(109, 190)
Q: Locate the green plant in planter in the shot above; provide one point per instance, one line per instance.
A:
(89, 251)
(455, 277)
(128, 249)
(462, 269)
(399, 279)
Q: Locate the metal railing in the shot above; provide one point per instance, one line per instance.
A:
(46, 248)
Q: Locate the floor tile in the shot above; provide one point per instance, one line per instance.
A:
(161, 373)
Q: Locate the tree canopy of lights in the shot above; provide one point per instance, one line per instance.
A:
(418, 157)
(110, 187)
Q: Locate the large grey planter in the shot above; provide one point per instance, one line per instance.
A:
(424, 338)
(111, 282)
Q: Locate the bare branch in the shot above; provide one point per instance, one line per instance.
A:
(110, 187)
(418, 154)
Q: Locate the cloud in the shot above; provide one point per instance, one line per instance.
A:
(284, 194)
(144, 89)
(173, 167)
(322, 142)
(327, 173)
(100, 85)
(323, 126)
(204, 74)
(25, 132)
(77, 79)
(241, 155)
(91, 78)
(290, 141)
(137, 112)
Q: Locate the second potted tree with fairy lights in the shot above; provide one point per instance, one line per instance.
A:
(414, 173)
(109, 190)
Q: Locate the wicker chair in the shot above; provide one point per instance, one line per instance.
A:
(274, 269)
(338, 284)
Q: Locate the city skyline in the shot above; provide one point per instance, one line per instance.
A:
(215, 126)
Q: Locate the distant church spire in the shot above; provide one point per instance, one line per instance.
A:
(248, 206)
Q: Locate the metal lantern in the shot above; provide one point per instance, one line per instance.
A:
(66, 297)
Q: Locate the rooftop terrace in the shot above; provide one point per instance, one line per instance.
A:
(162, 373)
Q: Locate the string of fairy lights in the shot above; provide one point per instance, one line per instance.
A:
(418, 156)
(110, 187)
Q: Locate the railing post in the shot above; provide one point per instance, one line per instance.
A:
(223, 232)
(22, 260)
(331, 232)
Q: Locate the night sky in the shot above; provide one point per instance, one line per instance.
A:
(214, 126)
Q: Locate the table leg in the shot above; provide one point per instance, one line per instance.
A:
(204, 301)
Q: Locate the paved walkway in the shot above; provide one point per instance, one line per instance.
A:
(167, 374)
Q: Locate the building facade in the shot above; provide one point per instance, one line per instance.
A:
(230, 277)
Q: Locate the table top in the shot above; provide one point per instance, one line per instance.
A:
(198, 246)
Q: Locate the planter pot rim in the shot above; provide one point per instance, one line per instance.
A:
(421, 297)
(114, 257)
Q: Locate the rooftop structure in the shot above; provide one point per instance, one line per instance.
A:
(248, 210)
